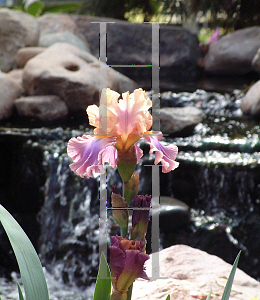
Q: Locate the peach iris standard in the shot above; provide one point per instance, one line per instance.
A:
(119, 123)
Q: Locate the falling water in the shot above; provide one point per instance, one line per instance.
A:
(218, 178)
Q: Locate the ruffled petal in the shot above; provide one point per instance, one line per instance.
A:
(165, 155)
(133, 269)
(84, 152)
(104, 117)
(127, 118)
(93, 115)
(117, 263)
(109, 155)
(133, 111)
(133, 118)
(139, 153)
(127, 262)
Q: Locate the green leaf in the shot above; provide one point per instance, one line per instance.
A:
(129, 292)
(209, 294)
(66, 7)
(168, 297)
(33, 278)
(20, 292)
(103, 283)
(17, 7)
(229, 283)
(35, 9)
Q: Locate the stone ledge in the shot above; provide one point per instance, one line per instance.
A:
(190, 275)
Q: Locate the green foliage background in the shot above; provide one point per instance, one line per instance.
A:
(227, 14)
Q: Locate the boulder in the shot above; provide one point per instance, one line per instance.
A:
(250, 104)
(17, 30)
(174, 214)
(256, 61)
(10, 90)
(49, 39)
(16, 75)
(24, 54)
(72, 74)
(54, 23)
(189, 274)
(178, 120)
(233, 53)
(44, 108)
(130, 44)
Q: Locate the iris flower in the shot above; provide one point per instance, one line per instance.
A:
(127, 263)
(119, 124)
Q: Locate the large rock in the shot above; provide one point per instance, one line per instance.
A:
(16, 75)
(233, 53)
(256, 61)
(49, 39)
(17, 30)
(57, 23)
(178, 120)
(250, 104)
(131, 44)
(190, 274)
(9, 91)
(24, 54)
(72, 74)
(44, 108)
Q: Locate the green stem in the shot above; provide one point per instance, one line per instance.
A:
(124, 189)
(117, 296)
(129, 292)
(124, 231)
(123, 234)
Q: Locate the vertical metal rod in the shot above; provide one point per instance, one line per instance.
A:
(155, 222)
(156, 71)
(103, 186)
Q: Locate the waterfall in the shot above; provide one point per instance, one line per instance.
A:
(218, 178)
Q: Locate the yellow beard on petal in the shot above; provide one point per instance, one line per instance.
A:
(122, 145)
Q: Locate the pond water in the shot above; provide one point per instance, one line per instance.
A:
(218, 178)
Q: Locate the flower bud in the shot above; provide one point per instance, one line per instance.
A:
(120, 211)
(131, 187)
(140, 218)
(127, 264)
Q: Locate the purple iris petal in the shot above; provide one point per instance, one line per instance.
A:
(109, 155)
(166, 155)
(139, 153)
(117, 261)
(127, 262)
(133, 269)
(84, 151)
